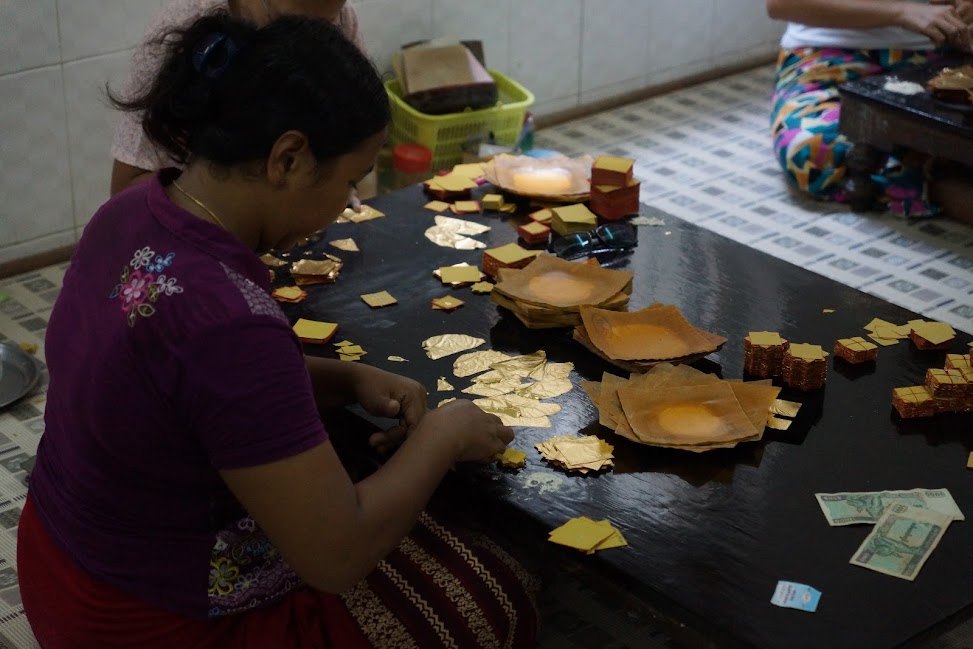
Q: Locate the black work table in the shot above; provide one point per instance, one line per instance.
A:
(710, 534)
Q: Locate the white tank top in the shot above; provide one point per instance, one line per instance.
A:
(877, 38)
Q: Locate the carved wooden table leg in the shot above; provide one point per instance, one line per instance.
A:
(863, 161)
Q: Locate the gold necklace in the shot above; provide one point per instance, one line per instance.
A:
(200, 203)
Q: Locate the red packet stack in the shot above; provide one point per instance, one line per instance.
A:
(614, 192)
(855, 350)
(805, 366)
(534, 232)
(763, 354)
(508, 256)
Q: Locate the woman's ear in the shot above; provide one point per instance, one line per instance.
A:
(289, 159)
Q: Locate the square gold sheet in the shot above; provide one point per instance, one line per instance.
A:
(380, 299)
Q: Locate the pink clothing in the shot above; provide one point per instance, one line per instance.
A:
(129, 144)
(169, 362)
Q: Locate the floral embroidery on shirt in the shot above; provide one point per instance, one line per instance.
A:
(246, 570)
(138, 290)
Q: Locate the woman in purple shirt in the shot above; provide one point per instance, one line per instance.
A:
(186, 493)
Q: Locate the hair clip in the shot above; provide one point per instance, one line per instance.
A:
(214, 55)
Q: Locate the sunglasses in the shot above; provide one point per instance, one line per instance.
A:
(610, 237)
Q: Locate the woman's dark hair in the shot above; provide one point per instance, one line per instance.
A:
(228, 89)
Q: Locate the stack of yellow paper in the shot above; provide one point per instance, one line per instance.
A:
(581, 454)
(314, 332)
(588, 535)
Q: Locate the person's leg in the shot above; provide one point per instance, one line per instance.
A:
(952, 189)
(806, 107)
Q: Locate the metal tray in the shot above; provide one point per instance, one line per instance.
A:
(19, 373)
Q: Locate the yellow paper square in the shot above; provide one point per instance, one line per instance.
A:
(512, 457)
(466, 206)
(969, 461)
(884, 342)
(352, 350)
(348, 357)
(455, 183)
(614, 163)
(460, 274)
(935, 332)
(344, 343)
(542, 216)
(510, 253)
(807, 351)
(312, 330)
(482, 287)
(580, 533)
(471, 170)
(535, 228)
(877, 322)
(765, 338)
(447, 303)
(289, 292)
(437, 206)
(382, 298)
(577, 214)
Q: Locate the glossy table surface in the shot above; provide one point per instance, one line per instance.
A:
(710, 534)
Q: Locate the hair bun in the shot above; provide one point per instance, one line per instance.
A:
(214, 54)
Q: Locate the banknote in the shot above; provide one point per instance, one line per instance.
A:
(902, 540)
(852, 508)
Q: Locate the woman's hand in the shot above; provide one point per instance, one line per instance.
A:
(385, 394)
(941, 22)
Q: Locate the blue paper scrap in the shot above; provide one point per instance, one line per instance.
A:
(799, 596)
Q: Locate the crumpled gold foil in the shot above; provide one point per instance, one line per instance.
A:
(494, 389)
(529, 365)
(452, 233)
(785, 408)
(443, 385)
(476, 362)
(274, 262)
(348, 245)
(351, 216)
(449, 344)
(519, 411)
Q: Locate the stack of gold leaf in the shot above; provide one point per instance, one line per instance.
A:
(513, 387)
(677, 406)
(805, 366)
(581, 454)
(316, 271)
(588, 535)
(550, 292)
(763, 354)
(638, 340)
(508, 256)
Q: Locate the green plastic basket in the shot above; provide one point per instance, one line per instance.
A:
(445, 134)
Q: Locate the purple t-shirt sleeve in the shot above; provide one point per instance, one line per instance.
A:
(246, 393)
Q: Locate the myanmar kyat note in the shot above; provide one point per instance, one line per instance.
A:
(901, 541)
(853, 508)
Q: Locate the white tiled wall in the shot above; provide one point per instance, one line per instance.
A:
(55, 129)
(56, 55)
